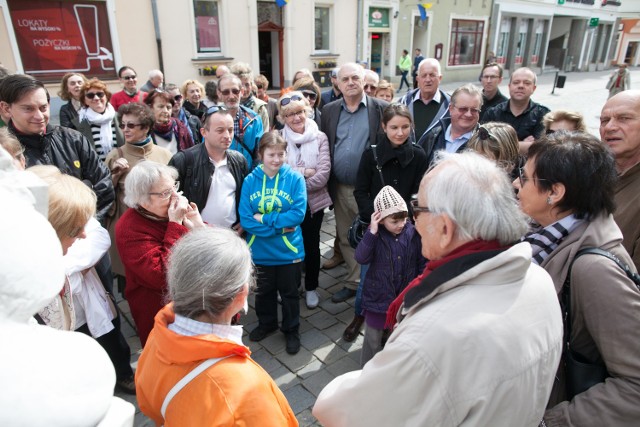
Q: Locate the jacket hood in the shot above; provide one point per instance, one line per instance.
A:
(178, 349)
(31, 267)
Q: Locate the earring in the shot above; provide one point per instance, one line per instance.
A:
(549, 200)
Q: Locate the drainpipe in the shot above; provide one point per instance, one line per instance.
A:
(359, 31)
(156, 26)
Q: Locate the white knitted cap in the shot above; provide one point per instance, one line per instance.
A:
(388, 201)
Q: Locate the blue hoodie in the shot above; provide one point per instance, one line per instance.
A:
(269, 243)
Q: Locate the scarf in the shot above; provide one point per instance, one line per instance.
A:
(302, 148)
(150, 215)
(105, 121)
(182, 116)
(250, 103)
(164, 130)
(131, 94)
(197, 110)
(544, 240)
(472, 247)
(173, 127)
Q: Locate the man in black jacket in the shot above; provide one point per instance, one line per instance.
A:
(26, 102)
(211, 174)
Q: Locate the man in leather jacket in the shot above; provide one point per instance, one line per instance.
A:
(26, 101)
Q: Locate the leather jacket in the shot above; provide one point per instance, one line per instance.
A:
(69, 151)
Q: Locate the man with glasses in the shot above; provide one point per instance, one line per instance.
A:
(262, 85)
(490, 78)
(428, 104)
(129, 93)
(351, 124)
(247, 125)
(210, 174)
(371, 80)
(191, 121)
(245, 74)
(26, 102)
(334, 93)
(520, 111)
(453, 132)
(477, 337)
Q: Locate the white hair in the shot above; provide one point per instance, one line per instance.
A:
(141, 179)
(208, 268)
(430, 61)
(155, 73)
(359, 69)
(477, 195)
(372, 74)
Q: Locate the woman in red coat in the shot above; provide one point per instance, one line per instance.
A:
(158, 216)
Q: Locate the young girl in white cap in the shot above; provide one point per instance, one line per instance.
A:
(391, 246)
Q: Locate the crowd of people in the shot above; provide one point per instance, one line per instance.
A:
(491, 244)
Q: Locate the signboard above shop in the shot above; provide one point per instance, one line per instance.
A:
(58, 37)
(378, 18)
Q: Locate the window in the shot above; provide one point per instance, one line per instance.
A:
(207, 26)
(466, 42)
(322, 29)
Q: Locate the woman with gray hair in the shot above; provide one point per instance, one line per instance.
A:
(210, 275)
(158, 216)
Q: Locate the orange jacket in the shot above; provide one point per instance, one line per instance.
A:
(234, 392)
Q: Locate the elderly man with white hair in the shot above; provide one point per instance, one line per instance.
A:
(479, 332)
(156, 79)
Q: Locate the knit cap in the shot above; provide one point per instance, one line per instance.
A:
(388, 201)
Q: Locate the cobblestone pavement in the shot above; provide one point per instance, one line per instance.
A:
(324, 355)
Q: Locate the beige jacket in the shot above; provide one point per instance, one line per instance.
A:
(606, 326)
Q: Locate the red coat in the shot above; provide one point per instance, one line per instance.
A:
(144, 246)
(121, 98)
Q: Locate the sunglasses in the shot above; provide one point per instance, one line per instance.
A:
(167, 193)
(92, 95)
(310, 95)
(130, 77)
(259, 86)
(214, 109)
(370, 87)
(226, 92)
(484, 134)
(129, 125)
(287, 101)
(178, 98)
(418, 209)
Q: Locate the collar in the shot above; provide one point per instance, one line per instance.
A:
(507, 107)
(222, 162)
(403, 153)
(363, 101)
(464, 137)
(437, 97)
(484, 95)
(145, 148)
(184, 326)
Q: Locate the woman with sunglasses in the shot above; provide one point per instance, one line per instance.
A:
(96, 120)
(136, 121)
(308, 87)
(308, 153)
(129, 93)
(167, 132)
(499, 142)
(401, 164)
(157, 218)
(70, 89)
(567, 188)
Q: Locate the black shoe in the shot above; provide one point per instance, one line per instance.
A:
(352, 331)
(343, 295)
(127, 385)
(293, 342)
(260, 333)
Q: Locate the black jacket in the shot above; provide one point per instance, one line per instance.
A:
(402, 168)
(434, 140)
(69, 151)
(67, 114)
(195, 172)
(195, 125)
(529, 123)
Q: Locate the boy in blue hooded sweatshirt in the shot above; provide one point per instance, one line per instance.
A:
(272, 207)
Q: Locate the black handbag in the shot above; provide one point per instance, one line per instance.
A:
(582, 374)
(358, 226)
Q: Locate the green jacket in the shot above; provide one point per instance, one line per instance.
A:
(405, 63)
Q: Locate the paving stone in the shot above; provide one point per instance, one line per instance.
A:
(310, 369)
(306, 419)
(317, 382)
(295, 362)
(346, 316)
(304, 326)
(274, 343)
(329, 353)
(334, 332)
(334, 308)
(342, 366)
(322, 320)
(313, 338)
(265, 359)
(299, 398)
(284, 378)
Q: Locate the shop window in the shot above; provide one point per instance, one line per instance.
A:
(58, 37)
(207, 25)
(322, 28)
(465, 44)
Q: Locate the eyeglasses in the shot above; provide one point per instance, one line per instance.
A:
(418, 209)
(167, 193)
(370, 87)
(465, 110)
(129, 77)
(484, 134)
(297, 113)
(523, 179)
(311, 96)
(259, 86)
(214, 109)
(92, 95)
(226, 92)
(491, 77)
(550, 131)
(129, 125)
(286, 101)
(178, 98)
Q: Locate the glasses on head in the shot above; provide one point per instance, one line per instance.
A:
(311, 96)
(214, 109)
(167, 193)
(300, 113)
(523, 179)
(370, 87)
(130, 77)
(286, 101)
(259, 86)
(226, 92)
(418, 209)
(129, 125)
(465, 110)
(92, 95)
(177, 98)
(484, 134)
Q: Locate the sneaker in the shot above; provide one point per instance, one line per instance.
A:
(343, 295)
(127, 385)
(293, 342)
(260, 333)
(312, 299)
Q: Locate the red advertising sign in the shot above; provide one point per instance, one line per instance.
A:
(208, 33)
(57, 37)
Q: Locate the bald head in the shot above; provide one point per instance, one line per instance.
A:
(222, 70)
(351, 80)
(620, 128)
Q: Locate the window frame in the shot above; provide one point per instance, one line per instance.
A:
(480, 38)
(329, 8)
(194, 29)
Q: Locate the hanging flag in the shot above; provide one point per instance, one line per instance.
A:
(281, 3)
(422, 7)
